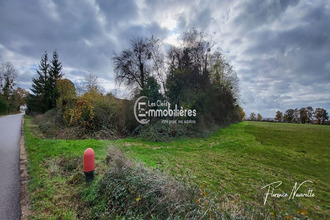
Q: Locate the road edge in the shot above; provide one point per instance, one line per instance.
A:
(24, 193)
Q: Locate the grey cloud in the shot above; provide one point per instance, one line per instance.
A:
(116, 11)
(142, 31)
(280, 49)
(182, 23)
(257, 13)
(295, 54)
(202, 19)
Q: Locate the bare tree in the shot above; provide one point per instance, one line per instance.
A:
(88, 84)
(7, 76)
(137, 63)
(92, 83)
(194, 50)
(253, 116)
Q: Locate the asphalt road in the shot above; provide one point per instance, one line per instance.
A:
(10, 132)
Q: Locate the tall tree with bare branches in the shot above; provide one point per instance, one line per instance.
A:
(134, 66)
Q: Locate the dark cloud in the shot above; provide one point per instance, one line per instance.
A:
(280, 49)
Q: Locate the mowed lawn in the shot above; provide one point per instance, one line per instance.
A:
(244, 157)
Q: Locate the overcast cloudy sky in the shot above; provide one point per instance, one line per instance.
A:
(280, 49)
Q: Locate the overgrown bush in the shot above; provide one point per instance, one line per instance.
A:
(49, 123)
(159, 132)
(67, 95)
(101, 115)
(131, 191)
(134, 192)
(92, 115)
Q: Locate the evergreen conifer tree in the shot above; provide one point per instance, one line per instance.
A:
(39, 101)
(44, 86)
(54, 75)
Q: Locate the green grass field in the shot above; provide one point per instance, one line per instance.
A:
(238, 160)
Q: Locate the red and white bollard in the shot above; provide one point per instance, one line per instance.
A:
(89, 164)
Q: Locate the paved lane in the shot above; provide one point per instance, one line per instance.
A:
(10, 132)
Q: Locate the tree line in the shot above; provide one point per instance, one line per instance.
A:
(303, 115)
(192, 75)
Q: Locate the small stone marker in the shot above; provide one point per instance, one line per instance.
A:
(89, 164)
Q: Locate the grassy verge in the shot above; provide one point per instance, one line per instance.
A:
(237, 161)
(56, 174)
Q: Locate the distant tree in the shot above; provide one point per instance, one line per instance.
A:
(92, 83)
(310, 112)
(289, 115)
(21, 94)
(7, 76)
(321, 115)
(8, 95)
(296, 115)
(278, 116)
(303, 113)
(259, 117)
(253, 116)
(242, 113)
(14, 102)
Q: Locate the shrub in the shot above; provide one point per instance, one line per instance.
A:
(92, 115)
(131, 191)
(49, 123)
(138, 193)
(100, 116)
(159, 132)
(67, 95)
(3, 106)
(106, 113)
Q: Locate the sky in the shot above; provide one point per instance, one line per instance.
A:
(280, 49)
